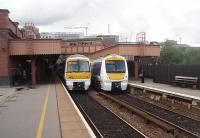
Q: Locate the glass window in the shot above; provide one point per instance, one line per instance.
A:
(78, 66)
(96, 68)
(72, 66)
(84, 66)
(115, 66)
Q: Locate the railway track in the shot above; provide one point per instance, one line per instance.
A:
(158, 115)
(103, 121)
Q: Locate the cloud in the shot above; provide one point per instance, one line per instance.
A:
(187, 27)
(43, 12)
(160, 19)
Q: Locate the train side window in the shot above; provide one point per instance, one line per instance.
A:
(93, 67)
(96, 68)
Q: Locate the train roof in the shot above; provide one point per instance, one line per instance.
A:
(113, 55)
(108, 56)
(77, 56)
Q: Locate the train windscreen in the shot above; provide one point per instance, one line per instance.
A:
(78, 66)
(115, 66)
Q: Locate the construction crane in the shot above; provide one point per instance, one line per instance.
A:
(80, 27)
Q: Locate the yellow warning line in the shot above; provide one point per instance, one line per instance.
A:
(42, 118)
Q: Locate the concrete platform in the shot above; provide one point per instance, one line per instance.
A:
(20, 114)
(6, 92)
(187, 92)
(73, 125)
(45, 111)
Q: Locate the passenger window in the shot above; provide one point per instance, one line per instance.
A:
(96, 69)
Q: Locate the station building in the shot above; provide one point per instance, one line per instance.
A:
(21, 53)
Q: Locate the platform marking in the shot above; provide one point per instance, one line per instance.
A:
(42, 118)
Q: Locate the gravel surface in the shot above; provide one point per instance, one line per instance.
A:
(108, 124)
(151, 130)
(177, 119)
(177, 106)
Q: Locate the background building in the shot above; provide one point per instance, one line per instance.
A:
(30, 31)
(109, 40)
(61, 35)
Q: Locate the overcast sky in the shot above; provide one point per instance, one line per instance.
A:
(160, 19)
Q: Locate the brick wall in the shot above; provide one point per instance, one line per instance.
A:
(4, 18)
(4, 57)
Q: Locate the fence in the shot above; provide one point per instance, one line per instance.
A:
(166, 73)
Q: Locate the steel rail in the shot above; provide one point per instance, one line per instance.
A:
(102, 119)
(168, 126)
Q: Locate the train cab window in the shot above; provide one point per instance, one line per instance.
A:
(72, 66)
(78, 66)
(84, 66)
(115, 66)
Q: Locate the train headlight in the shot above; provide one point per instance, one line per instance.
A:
(88, 76)
(68, 76)
(126, 78)
(107, 78)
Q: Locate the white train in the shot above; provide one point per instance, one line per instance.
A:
(77, 72)
(110, 73)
